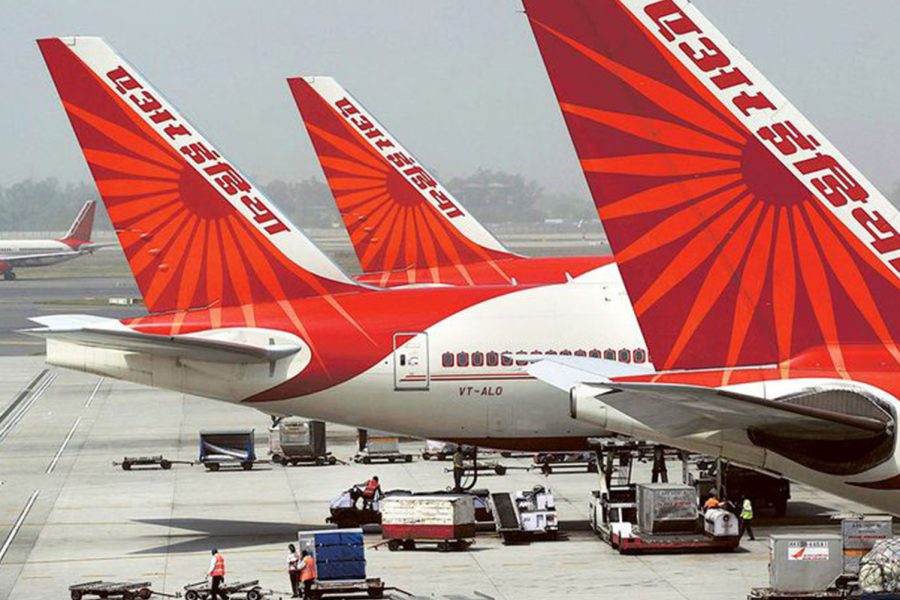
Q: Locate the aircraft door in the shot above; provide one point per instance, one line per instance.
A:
(411, 370)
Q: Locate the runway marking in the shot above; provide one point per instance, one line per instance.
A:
(93, 393)
(22, 395)
(26, 406)
(62, 446)
(18, 525)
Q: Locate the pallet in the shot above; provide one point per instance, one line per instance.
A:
(372, 588)
(126, 590)
(145, 461)
(247, 590)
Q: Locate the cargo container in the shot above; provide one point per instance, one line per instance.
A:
(294, 441)
(232, 447)
(447, 520)
(339, 553)
(667, 508)
(804, 563)
(859, 537)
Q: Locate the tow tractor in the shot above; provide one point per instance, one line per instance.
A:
(655, 517)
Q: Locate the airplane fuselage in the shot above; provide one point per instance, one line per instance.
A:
(431, 362)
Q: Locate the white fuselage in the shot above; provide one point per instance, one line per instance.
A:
(35, 253)
(590, 313)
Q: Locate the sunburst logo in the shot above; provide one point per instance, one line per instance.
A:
(728, 258)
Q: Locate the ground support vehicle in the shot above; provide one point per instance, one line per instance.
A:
(240, 590)
(736, 483)
(227, 448)
(525, 515)
(130, 590)
(146, 461)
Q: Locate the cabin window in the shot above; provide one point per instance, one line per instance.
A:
(550, 352)
(640, 355)
(506, 360)
(521, 363)
(447, 360)
(462, 359)
(595, 353)
(580, 353)
(624, 355)
(493, 359)
(609, 354)
(478, 359)
(566, 353)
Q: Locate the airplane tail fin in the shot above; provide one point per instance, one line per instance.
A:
(82, 227)
(196, 232)
(743, 236)
(397, 214)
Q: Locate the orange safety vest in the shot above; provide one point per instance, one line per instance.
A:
(711, 503)
(219, 569)
(371, 486)
(307, 568)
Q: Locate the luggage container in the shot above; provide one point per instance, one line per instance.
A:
(860, 535)
(379, 446)
(339, 553)
(804, 563)
(294, 441)
(445, 520)
(231, 447)
(666, 507)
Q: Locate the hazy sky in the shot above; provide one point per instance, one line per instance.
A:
(459, 82)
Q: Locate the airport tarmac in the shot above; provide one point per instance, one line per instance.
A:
(67, 515)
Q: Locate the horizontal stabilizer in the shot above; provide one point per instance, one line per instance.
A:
(93, 332)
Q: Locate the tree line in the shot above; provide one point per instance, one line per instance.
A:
(491, 196)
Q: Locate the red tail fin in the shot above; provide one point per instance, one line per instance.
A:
(742, 234)
(397, 214)
(82, 227)
(196, 232)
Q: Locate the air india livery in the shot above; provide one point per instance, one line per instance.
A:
(405, 226)
(42, 253)
(244, 308)
(762, 266)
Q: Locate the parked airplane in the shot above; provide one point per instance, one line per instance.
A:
(244, 308)
(405, 226)
(42, 253)
(763, 267)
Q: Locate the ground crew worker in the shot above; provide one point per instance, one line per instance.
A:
(217, 572)
(459, 469)
(371, 491)
(307, 573)
(746, 517)
(293, 562)
(711, 502)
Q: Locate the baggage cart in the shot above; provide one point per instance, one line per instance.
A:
(371, 587)
(380, 446)
(227, 448)
(239, 590)
(295, 441)
(160, 461)
(446, 520)
(126, 590)
(568, 462)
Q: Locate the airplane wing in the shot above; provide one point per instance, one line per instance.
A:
(95, 332)
(677, 410)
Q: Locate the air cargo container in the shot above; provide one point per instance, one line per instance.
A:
(446, 520)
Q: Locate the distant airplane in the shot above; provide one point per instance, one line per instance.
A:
(43, 253)
(405, 226)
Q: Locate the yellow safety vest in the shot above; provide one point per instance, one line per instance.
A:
(747, 510)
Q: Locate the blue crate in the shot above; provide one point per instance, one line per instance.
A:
(332, 570)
